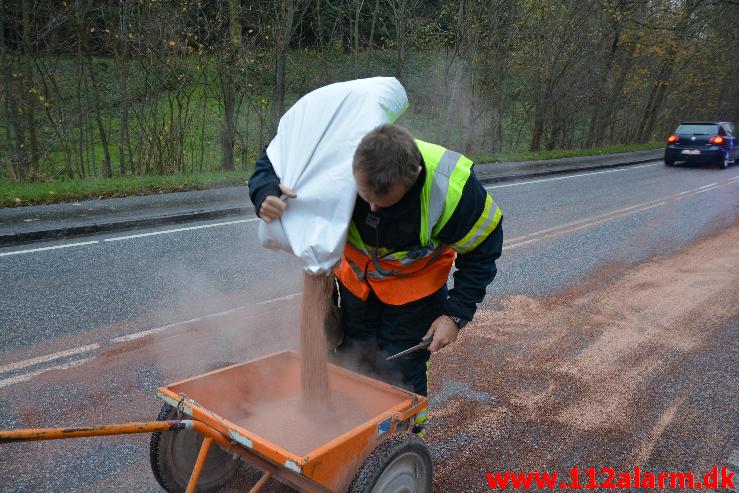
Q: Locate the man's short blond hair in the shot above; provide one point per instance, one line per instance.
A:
(385, 156)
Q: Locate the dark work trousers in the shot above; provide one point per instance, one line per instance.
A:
(374, 330)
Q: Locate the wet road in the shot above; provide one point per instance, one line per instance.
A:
(89, 327)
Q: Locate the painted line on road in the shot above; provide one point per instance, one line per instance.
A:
(570, 176)
(588, 220)
(43, 249)
(582, 226)
(28, 376)
(144, 333)
(574, 226)
(281, 298)
(178, 230)
(514, 245)
(225, 312)
(706, 190)
(91, 347)
(46, 358)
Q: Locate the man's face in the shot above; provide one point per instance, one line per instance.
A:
(377, 202)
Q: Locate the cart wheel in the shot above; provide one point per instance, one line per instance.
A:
(400, 464)
(173, 454)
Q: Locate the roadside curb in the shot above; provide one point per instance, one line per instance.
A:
(204, 215)
(562, 171)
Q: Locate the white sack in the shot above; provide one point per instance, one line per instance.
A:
(312, 154)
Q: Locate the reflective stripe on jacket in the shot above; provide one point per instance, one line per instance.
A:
(400, 277)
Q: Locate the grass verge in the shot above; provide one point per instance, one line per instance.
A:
(13, 194)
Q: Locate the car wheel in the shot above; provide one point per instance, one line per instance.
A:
(723, 164)
(669, 162)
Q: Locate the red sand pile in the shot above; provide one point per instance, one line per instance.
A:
(634, 367)
(301, 426)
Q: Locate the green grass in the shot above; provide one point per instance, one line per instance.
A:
(14, 194)
(490, 157)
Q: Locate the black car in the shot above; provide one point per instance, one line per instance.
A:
(703, 142)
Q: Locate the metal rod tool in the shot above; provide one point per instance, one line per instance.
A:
(425, 342)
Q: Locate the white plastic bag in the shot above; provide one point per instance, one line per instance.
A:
(312, 154)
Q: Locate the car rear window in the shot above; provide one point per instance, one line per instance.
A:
(697, 129)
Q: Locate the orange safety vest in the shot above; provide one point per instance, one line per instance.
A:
(400, 277)
(406, 283)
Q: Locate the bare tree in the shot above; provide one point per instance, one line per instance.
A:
(288, 14)
(232, 45)
(30, 94)
(121, 51)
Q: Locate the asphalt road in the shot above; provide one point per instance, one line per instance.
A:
(89, 327)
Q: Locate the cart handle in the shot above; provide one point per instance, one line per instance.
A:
(35, 434)
(209, 435)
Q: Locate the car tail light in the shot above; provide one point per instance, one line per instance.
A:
(672, 139)
(716, 140)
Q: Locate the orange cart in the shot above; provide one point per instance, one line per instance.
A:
(253, 411)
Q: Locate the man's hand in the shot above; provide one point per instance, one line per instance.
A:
(273, 207)
(444, 331)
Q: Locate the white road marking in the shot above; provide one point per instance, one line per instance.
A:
(178, 230)
(144, 333)
(91, 347)
(705, 190)
(573, 227)
(281, 298)
(225, 312)
(28, 376)
(43, 249)
(575, 224)
(570, 176)
(608, 216)
(516, 245)
(49, 357)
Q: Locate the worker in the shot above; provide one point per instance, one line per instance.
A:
(419, 210)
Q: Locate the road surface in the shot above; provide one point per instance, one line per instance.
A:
(579, 360)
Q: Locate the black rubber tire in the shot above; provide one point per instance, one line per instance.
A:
(669, 162)
(172, 455)
(724, 163)
(401, 448)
